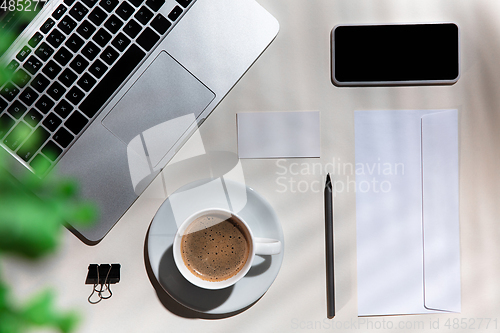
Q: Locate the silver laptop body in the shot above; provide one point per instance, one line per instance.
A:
(174, 88)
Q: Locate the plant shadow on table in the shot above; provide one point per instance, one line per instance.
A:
(203, 299)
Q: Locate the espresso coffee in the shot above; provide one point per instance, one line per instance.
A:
(215, 248)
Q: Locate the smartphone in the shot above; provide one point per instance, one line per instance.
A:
(395, 54)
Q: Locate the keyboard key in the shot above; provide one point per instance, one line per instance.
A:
(33, 117)
(51, 69)
(44, 104)
(52, 122)
(12, 66)
(86, 82)
(28, 96)
(75, 95)
(143, 15)
(47, 25)
(21, 78)
(90, 3)
(51, 150)
(108, 5)
(132, 28)
(59, 12)
(40, 165)
(136, 3)
(63, 137)
(175, 13)
(69, 3)
(113, 24)
(160, 24)
(32, 65)
(147, 39)
(90, 51)
(79, 64)
(23, 54)
(86, 29)
(37, 38)
(78, 11)
(3, 104)
(98, 68)
(40, 82)
(63, 56)
(74, 43)
(97, 16)
(8, 73)
(112, 80)
(155, 4)
(125, 10)
(34, 142)
(76, 122)
(184, 3)
(102, 37)
(56, 91)
(55, 38)
(67, 25)
(120, 42)
(9, 92)
(44, 51)
(6, 123)
(109, 55)
(63, 109)
(17, 136)
(17, 109)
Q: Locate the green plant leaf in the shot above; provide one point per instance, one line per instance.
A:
(40, 311)
(68, 322)
(10, 323)
(28, 227)
(32, 214)
(33, 211)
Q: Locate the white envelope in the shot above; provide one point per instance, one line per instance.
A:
(407, 212)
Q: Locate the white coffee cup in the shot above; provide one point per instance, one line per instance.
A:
(258, 246)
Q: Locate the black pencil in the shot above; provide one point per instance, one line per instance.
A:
(330, 280)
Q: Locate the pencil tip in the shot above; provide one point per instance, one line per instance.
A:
(328, 180)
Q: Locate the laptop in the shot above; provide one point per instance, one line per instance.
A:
(107, 91)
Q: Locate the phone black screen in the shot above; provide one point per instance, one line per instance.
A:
(395, 54)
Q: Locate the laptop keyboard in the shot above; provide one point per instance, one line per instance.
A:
(70, 68)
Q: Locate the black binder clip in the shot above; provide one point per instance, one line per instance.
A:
(103, 275)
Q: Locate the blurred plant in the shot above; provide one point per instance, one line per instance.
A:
(32, 214)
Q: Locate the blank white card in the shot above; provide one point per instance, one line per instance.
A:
(278, 134)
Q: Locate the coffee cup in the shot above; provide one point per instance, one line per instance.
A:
(215, 248)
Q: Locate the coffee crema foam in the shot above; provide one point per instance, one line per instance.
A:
(214, 248)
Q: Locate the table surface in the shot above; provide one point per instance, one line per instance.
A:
(294, 75)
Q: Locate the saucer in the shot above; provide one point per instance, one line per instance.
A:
(208, 194)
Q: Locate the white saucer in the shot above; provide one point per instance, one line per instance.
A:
(205, 194)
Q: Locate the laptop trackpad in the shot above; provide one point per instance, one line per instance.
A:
(165, 101)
